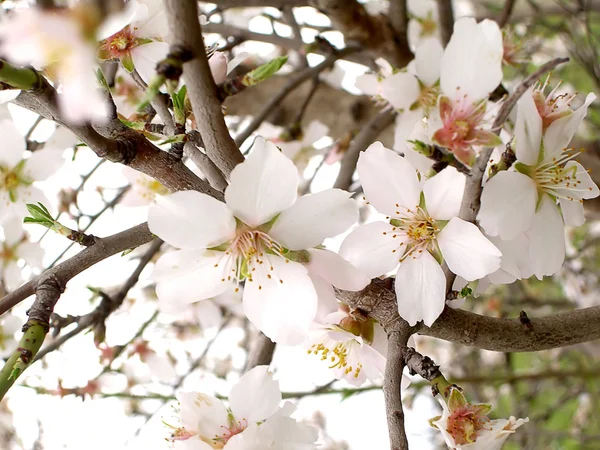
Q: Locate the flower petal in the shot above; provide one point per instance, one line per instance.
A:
(420, 289)
(256, 396)
(336, 270)
(263, 185)
(146, 56)
(202, 414)
(13, 144)
(313, 218)
(189, 219)
(401, 90)
(572, 212)
(528, 130)
(428, 57)
(284, 305)
(507, 204)
(443, 193)
(187, 276)
(467, 251)
(371, 249)
(388, 180)
(367, 83)
(561, 131)
(43, 163)
(581, 184)
(547, 239)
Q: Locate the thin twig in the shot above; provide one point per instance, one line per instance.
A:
(509, 5)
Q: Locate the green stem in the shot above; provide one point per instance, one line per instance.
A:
(442, 385)
(19, 77)
(22, 357)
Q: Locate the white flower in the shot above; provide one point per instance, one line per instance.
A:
(220, 68)
(9, 325)
(55, 41)
(260, 236)
(302, 150)
(471, 69)
(143, 189)
(370, 83)
(16, 248)
(135, 36)
(424, 230)
(466, 426)
(254, 419)
(18, 175)
(423, 23)
(524, 198)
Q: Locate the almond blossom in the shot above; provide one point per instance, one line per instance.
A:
(220, 67)
(471, 69)
(18, 174)
(56, 41)
(143, 189)
(423, 23)
(9, 325)
(262, 236)
(135, 37)
(526, 198)
(14, 249)
(423, 231)
(301, 150)
(466, 426)
(253, 420)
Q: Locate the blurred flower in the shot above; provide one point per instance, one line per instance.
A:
(9, 325)
(15, 248)
(143, 189)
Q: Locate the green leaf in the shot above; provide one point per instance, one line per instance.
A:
(262, 73)
(127, 62)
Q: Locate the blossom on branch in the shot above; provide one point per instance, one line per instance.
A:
(262, 236)
(423, 232)
(16, 248)
(253, 421)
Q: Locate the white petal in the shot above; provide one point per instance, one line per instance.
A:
(237, 60)
(12, 276)
(13, 144)
(256, 396)
(315, 131)
(313, 218)
(327, 301)
(113, 23)
(572, 211)
(208, 314)
(428, 58)
(561, 131)
(388, 180)
(466, 250)
(187, 276)
(443, 193)
(218, 67)
(43, 163)
(202, 414)
(193, 443)
(472, 60)
(585, 188)
(401, 90)
(13, 230)
(507, 204)
(404, 130)
(155, 25)
(420, 289)
(528, 130)
(336, 270)
(370, 250)
(32, 253)
(262, 186)
(547, 239)
(146, 56)
(367, 83)
(189, 219)
(282, 306)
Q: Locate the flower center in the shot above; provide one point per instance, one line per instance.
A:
(428, 25)
(419, 229)
(12, 179)
(428, 98)
(465, 422)
(118, 45)
(554, 178)
(247, 253)
(552, 106)
(337, 354)
(235, 427)
(7, 253)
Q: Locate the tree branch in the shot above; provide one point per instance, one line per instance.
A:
(261, 353)
(446, 17)
(202, 91)
(509, 5)
(392, 389)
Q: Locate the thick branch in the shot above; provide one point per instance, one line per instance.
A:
(446, 15)
(186, 34)
(363, 139)
(261, 353)
(489, 333)
(392, 391)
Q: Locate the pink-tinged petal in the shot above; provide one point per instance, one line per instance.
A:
(43, 163)
(13, 144)
(572, 212)
(547, 239)
(202, 414)
(508, 204)
(467, 251)
(428, 59)
(446, 106)
(367, 83)
(188, 276)
(443, 193)
(284, 305)
(561, 131)
(485, 138)
(218, 67)
(401, 90)
(372, 249)
(420, 289)
(189, 219)
(262, 186)
(313, 218)
(528, 130)
(146, 56)
(336, 270)
(256, 396)
(389, 181)
(472, 61)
